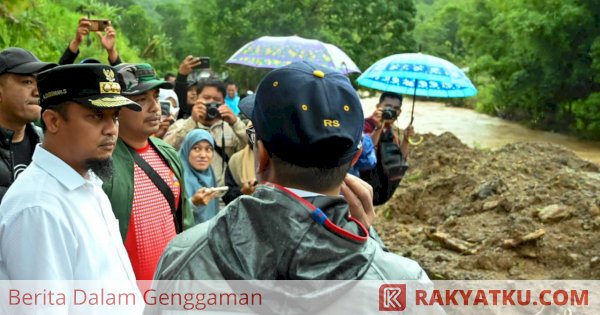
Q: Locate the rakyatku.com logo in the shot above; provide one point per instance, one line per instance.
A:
(392, 297)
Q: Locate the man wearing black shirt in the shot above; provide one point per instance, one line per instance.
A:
(107, 39)
(19, 107)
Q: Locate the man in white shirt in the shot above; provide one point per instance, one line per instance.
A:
(56, 223)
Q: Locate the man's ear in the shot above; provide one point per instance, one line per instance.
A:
(356, 156)
(264, 159)
(52, 120)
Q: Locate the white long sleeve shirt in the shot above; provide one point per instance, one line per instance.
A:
(57, 225)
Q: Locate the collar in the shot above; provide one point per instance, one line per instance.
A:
(58, 169)
(6, 135)
(321, 218)
(303, 193)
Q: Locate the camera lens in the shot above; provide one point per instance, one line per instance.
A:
(212, 110)
(388, 113)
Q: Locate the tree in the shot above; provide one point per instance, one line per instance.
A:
(365, 30)
(529, 63)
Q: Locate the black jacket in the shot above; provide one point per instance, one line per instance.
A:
(6, 155)
(68, 57)
(181, 88)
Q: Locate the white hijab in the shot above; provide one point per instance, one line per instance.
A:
(166, 95)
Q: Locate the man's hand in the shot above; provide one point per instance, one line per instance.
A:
(409, 132)
(109, 43)
(165, 122)
(227, 115)
(203, 196)
(108, 38)
(188, 64)
(378, 117)
(249, 187)
(359, 195)
(83, 29)
(199, 111)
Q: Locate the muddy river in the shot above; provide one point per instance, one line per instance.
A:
(479, 130)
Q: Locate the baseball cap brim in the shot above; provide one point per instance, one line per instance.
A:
(246, 105)
(32, 67)
(105, 101)
(147, 86)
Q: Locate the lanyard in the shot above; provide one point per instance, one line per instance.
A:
(321, 218)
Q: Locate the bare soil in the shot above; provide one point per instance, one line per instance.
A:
(524, 211)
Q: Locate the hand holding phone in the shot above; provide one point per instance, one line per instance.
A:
(165, 108)
(204, 63)
(205, 194)
(221, 191)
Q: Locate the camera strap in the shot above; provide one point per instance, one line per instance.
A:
(221, 149)
(158, 182)
(321, 218)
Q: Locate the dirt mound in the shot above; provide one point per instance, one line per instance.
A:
(525, 211)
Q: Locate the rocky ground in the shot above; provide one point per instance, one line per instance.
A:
(524, 211)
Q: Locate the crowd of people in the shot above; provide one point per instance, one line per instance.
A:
(101, 181)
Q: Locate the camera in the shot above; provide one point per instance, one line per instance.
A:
(212, 110)
(389, 113)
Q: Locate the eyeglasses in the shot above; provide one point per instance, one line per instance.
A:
(251, 136)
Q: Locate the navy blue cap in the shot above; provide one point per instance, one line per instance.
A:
(20, 61)
(307, 115)
(92, 85)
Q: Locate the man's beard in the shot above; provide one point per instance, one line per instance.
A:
(103, 168)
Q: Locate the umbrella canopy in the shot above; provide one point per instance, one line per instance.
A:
(275, 52)
(418, 74)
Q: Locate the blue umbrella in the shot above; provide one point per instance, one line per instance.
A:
(417, 74)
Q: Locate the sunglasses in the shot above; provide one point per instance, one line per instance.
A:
(251, 136)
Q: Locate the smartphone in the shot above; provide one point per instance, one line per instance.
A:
(99, 25)
(165, 108)
(204, 63)
(222, 190)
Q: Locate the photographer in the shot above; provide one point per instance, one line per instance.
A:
(212, 114)
(391, 144)
(107, 39)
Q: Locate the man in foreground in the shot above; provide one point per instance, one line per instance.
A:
(307, 130)
(56, 223)
(148, 195)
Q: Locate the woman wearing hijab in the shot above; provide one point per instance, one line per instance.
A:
(196, 153)
(166, 119)
(240, 176)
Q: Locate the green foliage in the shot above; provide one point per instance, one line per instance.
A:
(46, 27)
(529, 62)
(164, 32)
(586, 114)
(365, 30)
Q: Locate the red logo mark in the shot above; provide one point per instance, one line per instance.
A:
(392, 297)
